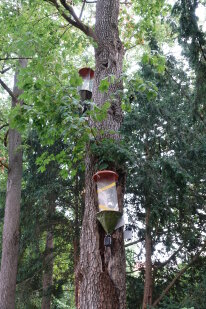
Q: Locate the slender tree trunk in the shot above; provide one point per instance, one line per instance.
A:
(101, 271)
(147, 300)
(48, 272)
(47, 281)
(10, 247)
(76, 237)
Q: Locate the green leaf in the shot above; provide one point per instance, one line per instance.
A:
(145, 58)
(142, 87)
(151, 94)
(104, 85)
(75, 80)
(106, 106)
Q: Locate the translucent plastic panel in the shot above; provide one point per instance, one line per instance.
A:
(107, 195)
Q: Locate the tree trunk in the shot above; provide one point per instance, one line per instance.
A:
(147, 300)
(49, 255)
(101, 271)
(10, 247)
(48, 272)
(76, 237)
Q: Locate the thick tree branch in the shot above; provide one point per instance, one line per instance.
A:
(4, 125)
(132, 272)
(76, 22)
(5, 70)
(178, 275)
(8, 90)
(3, 164)
(202, 50)
(15, 58)
(133, 242)
(95, 1)
(5, 138)
(82, 9)
(70, 9)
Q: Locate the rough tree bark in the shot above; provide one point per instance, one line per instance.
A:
(101, 271)
(10, 246)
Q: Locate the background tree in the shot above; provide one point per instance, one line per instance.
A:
(10, 245)
(160, 153)
(48, 211)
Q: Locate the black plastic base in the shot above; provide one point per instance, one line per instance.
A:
(108, 241)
